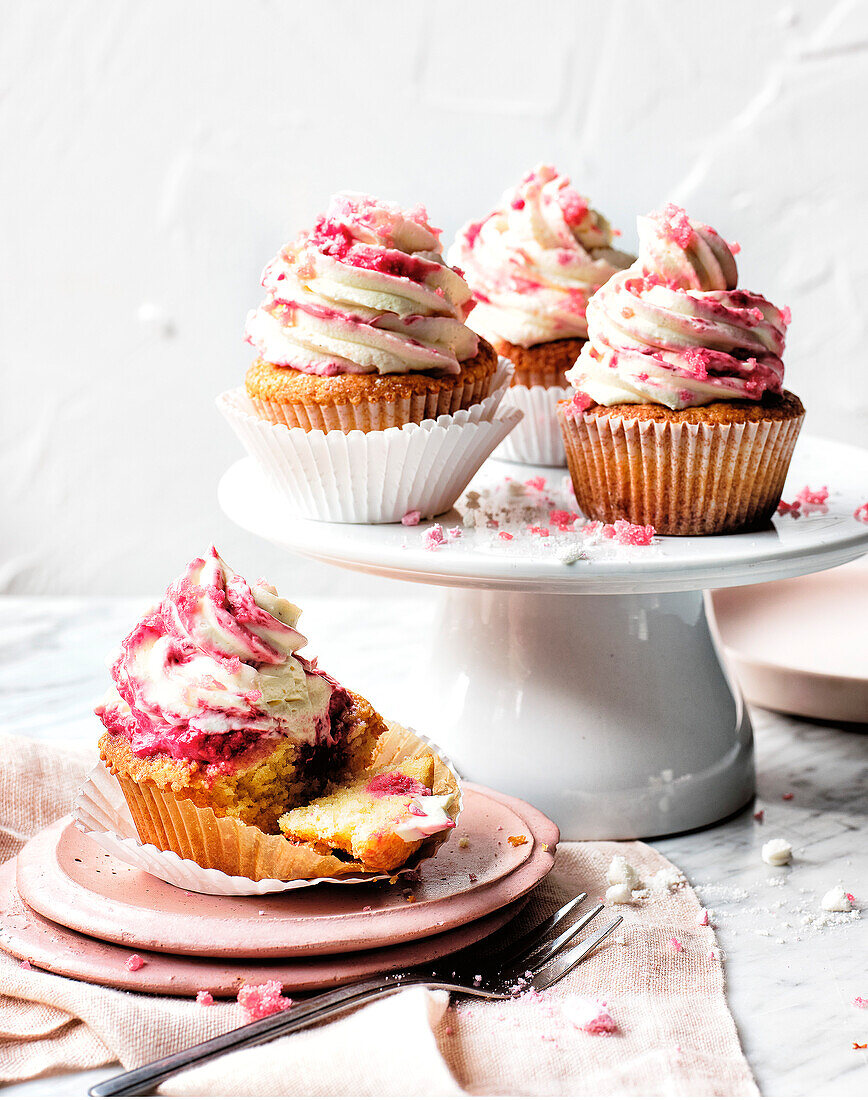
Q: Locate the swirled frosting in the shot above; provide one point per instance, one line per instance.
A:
(365, 291)
(534, 262)
(673, 330)
(212, 671)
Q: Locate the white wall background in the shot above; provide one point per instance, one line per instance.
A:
(154, 155)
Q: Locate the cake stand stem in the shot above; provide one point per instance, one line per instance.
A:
(612, 714)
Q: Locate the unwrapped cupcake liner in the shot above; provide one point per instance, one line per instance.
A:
(374, 477)
(370, 416)
(537, 439)
(107, 808)
(682, 478)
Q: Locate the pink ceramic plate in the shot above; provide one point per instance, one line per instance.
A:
(59, 950)
(69, 879)
(800, 646)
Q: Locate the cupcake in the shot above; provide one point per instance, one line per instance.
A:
(679, 417)
(216, 727)
(363, 325)
(532, 265)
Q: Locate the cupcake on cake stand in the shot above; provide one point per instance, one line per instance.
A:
(571, 671)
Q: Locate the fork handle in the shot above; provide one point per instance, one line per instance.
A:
(138, 1082)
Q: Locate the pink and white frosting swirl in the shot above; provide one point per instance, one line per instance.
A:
(365, 291)
(211, 672)
(673, 330)
(534, 262)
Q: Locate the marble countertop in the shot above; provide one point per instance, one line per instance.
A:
(791, 978)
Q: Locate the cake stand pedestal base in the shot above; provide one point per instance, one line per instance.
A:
(612, 714)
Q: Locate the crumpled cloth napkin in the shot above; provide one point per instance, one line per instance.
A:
(675, 1034)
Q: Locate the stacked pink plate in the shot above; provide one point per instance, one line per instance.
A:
(70, 907)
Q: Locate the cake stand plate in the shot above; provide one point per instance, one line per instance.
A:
(592, 689)
(67, 878)
(799, 645)
(49, 946)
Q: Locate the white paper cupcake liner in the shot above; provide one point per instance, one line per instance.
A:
(374, 477)
(537, 440)
(101, 812)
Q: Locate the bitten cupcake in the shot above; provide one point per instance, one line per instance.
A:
(679, 417)
(532, 265)
(216, 727)
(363, 325)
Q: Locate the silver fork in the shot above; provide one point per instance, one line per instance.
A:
(532, 962)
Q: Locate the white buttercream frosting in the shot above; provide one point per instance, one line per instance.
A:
(428, 816)
(673, 330)
(534, 262)
(365, 291)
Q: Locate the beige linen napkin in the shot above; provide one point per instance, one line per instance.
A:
(675, 1035)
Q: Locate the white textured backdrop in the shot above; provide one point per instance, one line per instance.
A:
(155, 155)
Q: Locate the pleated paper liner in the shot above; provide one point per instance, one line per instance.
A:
(195, 850)
(683, 479)
(374, 477)
(369, 416)
(537, 439)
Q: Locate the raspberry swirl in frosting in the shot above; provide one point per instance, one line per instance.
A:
(211, 673)
(673, 330)
(365, 291)
(534, 262)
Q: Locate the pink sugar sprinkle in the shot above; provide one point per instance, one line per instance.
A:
(628, 534)
(25, 964)
(253, 696)
(674, 224)
(734, 247)
(577, 405)
(434, 537)
(573, 206)
(561, 518)
(203, 997)
(676, 944)
(543, 532)
(702, 920)
(793, 509)
(411, 519)
(851, 899)
(456, 532)
(697, 360)
(134, 963)
(861, 513)
(813, 496)
(759, 815)
(537, 483)
(505, 535)
(786, 315)
(787, 797)
(262, 1000)
(450, 1030)
(860, 1002)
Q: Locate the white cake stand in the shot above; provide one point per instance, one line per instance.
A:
(594, 689)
